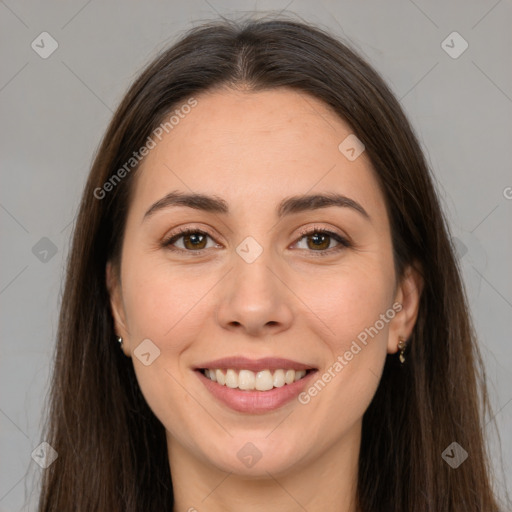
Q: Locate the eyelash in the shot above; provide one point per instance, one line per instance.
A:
(343, 242)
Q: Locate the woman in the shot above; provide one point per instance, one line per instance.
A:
(262, 307)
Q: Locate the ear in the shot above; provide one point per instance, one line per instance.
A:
(116, 305)
(408, 295)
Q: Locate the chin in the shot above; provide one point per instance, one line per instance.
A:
(255, 457)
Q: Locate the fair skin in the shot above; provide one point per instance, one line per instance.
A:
(253, 150)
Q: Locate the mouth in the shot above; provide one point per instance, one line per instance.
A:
(254, 386)
(247, 380)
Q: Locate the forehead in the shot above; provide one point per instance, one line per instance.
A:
(257, 146)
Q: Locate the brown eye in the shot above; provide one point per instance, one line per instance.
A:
(320, 240)
(193, 240)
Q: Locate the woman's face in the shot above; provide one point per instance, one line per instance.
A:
(258, 283)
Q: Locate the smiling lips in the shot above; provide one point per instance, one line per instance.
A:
(248, 385)
(249, 374)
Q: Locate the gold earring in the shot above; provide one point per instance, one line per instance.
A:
(402, 344)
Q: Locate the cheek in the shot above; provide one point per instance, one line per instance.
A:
(166, 305)
(349, 301)
(159, 297)
(354, 307)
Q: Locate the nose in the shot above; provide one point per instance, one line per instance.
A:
(254, 299)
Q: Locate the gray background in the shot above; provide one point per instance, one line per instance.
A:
(55, 110)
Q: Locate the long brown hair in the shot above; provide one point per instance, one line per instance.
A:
(112, 449)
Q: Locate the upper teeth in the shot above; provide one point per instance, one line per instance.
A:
(249, 380)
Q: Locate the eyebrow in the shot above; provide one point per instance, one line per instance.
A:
(288, 206)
